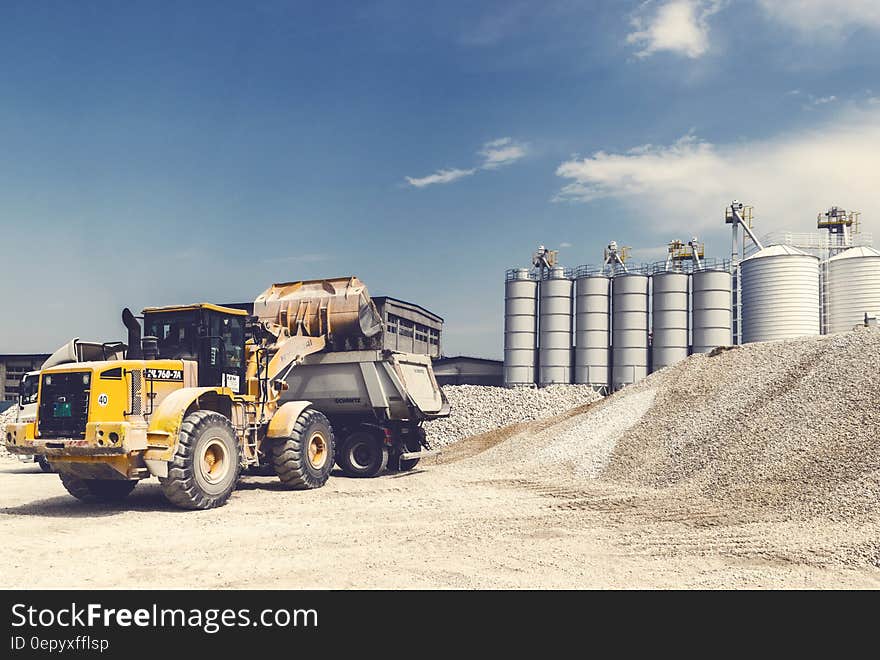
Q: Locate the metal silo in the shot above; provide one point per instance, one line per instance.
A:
(852, 288)
(711, 304)
(669, 319)
(520, 320)
(780, 294)
(629, 329)
(555, 329)
(592, 331)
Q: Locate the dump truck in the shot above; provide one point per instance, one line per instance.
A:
(204, 391)
(376, 401)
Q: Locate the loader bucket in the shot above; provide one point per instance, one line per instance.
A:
(340, 307)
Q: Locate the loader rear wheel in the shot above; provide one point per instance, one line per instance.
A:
(97, 490)
(304, 460)
(363, 455)
(206, 465)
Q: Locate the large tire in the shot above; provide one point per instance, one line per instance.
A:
(206, 465)
(44, 463)
(304, 460)
(97, 490)
(363, 455)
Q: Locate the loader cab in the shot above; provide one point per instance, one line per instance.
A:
(210, 335)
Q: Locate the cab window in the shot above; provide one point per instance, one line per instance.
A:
(176, 334)
(227, 347)
(29, 386)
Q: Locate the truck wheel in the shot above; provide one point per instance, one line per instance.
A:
(97, 490)
(363, 455)
(413, 442)
(44, 463)
(205, 468)
(305, 459)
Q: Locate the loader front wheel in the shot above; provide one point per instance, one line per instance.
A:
(304, 460)
(206, 465)
(97, 490)
(363, 455)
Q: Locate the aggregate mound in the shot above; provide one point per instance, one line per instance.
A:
(477, 409)
(790, 425)
(5, 418)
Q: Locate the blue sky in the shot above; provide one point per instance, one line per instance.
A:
(156, 153)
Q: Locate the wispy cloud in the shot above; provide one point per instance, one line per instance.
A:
(502, 151)
(822, 100)
(565, 245)
(788, 178)
(823, 19)
(494, 154)
(440, 176)
(676, 26)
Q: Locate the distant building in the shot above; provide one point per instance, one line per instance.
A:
(410, 328)
(463, 370)
(12, 367)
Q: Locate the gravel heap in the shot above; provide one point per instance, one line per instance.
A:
(791, 426)
(5, 418)
(478, 408)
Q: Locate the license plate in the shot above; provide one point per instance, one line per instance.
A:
(61, 410)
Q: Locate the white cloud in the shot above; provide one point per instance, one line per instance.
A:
(564, 245)
(494, 154)
(440, 176)
(822, 100)
(830, 18)
(789, 179)
(502, 151)
(677, 26)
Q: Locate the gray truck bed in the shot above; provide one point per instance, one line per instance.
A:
(387, 384)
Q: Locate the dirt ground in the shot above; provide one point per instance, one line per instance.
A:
(452, 523)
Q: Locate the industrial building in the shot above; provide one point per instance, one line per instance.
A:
(610, 325)
(12, 367)
(464, 370)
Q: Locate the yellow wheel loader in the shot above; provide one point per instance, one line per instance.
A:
(198, 397)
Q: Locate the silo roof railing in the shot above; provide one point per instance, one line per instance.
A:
(612, 270)
(514, 274)
(710, 263)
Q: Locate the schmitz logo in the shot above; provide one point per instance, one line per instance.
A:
(163, 374)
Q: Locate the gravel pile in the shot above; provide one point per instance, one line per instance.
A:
(5, 418)
(478, 408)
(791, 426)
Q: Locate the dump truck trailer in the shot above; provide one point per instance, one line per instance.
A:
(376, 401)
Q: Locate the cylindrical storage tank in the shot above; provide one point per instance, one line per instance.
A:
(780, 294)
(852, 288)
(554, 323)
(712, 321)
(592, 337)
(629, 329)
(520, 323)
(669, 319)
